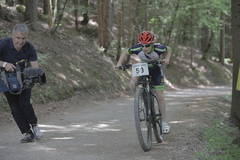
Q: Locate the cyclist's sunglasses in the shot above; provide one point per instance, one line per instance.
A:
(146, 45)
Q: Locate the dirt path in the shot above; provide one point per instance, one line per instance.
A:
(104, 130)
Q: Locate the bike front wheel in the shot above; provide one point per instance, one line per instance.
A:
(156, 120)
(143, 122)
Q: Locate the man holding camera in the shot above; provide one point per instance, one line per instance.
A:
(13, 50)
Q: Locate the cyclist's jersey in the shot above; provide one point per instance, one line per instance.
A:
(154, 70)
(155, 53)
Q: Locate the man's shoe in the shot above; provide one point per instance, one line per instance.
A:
(36, 132)
(27, 138)
(165, 128)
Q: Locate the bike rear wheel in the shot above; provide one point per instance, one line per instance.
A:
(142, 119)
(156, 120)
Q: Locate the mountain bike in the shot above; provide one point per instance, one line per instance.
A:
(146, 111)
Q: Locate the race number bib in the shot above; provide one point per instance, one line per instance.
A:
(140, 69)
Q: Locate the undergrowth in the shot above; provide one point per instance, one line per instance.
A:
(218, 140)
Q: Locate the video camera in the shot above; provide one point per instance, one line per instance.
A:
(15, 82)
(30, 76)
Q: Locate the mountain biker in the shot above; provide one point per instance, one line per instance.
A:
(13, 50)
(144, 51)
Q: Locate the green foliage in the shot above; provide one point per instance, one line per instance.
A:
(81, 9)
(3, 33)
(3, 103)
(43, 17)
(219, 142)
(42, 58)
(183, 19)
(227, 98)
(20, 8)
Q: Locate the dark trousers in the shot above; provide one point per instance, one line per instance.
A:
(22, 110)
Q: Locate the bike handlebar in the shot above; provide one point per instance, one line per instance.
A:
(124, 67)
(127, 66)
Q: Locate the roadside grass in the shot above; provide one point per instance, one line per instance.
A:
(219, 140)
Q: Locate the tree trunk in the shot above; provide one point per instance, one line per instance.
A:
(54, 11)
(146, 15)
(132, 23)
(235, 109)
(46, 7)
(170, 30)
(100, 23)
(50, 14)
(222, 40)
(84, 3)
(120, 29)
(191, 32)
(111, 15)
(31, 13)
(1, 13)
(103, 30)
(76, 5)
(206, 41)
(59, 14)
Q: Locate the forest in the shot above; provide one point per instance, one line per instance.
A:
(203, 37)
(202, 25)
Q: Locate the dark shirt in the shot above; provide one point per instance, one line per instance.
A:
(9, 54)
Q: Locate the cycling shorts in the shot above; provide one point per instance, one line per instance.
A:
(157, 79)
